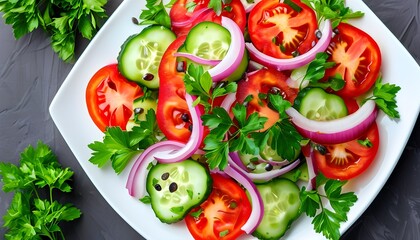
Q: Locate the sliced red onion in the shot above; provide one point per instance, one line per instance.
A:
(194, 17)
(275, 163)
(299, 61)
(137, 187)
(338, 130)
(228, 101)
(237, 162)
(311, 171)
(193, 143)
(196, 59)
(262, 177)
(234, 55)
(257, 211)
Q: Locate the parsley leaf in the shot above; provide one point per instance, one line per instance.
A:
(155, 14)
(120, 146)
(60, 19)
(28, 215)
(335, 10)
(384, 95)
(327, 221)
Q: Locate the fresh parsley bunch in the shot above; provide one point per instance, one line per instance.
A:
(30, 215)
(60, 19)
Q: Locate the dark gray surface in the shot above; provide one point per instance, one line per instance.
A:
(30, 75)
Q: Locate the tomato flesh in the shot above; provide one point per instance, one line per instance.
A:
(171, 104)
(280, 31)
(223, 214)
(265, 81)
(109, 98)
(347, 160)
(358, 60)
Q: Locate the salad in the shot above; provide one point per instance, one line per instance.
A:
(241, 117)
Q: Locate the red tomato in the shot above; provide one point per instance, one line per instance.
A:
(347, 160)
(265, 81)
(223, 214)
(280, 31)
(182, 12)
(172, 112)
(109, 98)
(357, 57)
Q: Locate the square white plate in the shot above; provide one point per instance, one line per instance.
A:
(69, 112)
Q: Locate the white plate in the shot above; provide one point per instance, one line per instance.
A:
(69, 112)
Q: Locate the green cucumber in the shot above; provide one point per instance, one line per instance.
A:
(140, 55)
(176, 188)
(316, 104)
(281, 207)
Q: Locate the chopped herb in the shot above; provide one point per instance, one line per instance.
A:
(384, 95)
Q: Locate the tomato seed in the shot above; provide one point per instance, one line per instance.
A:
(173, 187)
(318, 34)
(295, 53)
(190, 127)
(148, 77)
(165, 176)
(275, 90)
(185, 117)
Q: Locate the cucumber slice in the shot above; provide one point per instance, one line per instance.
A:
(176, 188)
(281, 207)
(208, 40)
(316, 104)
(140, 55)
(140, 106)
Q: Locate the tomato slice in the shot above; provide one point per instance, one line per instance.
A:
(262, 82)
(223, 214)
(172, 112)
(279, 30)
(185, 10)
(109, 98)
(347, 160)
(357, 57)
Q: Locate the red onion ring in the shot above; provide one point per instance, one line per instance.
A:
(234, 55)
(193, 143)
(257, 211)
(228, 101)
(193, 18)
(338, 130)
(139, 168)
(266, 176)
(299, 61)
(196, 59)
(311, 172)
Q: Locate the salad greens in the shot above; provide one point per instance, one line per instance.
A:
(60, 19)
(120, 146)
(335, 10)
(327, 221)
(384, 95)
(33, 212)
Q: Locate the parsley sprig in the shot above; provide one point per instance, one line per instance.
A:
(31, 215)
(61, 19)
(315, 71)
(384, 95)
(281, 136)
(335, 10)
(120, 146)
(155, 13)
(199, 83)
(219, 122)
(327, 221)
